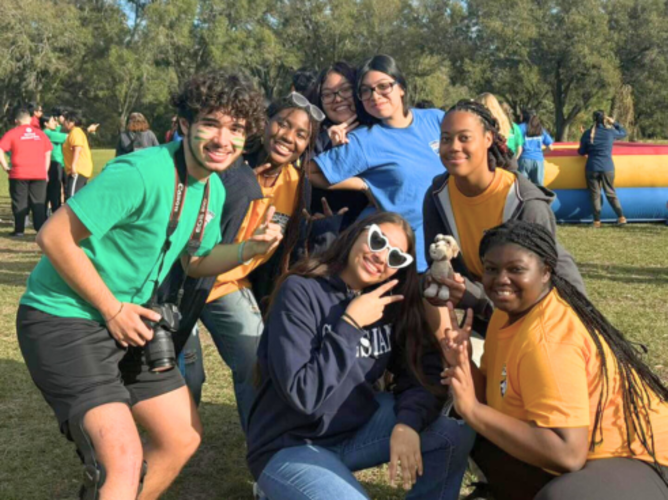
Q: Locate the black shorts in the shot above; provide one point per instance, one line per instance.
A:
(77, 365)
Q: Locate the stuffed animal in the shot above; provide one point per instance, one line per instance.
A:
(441, 251)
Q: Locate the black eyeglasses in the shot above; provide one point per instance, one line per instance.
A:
(328, 96)
(383, 88)
(302, 102)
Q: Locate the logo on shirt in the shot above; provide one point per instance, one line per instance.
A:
(373, 344)
(281, 219)
(504, 382)
(209, 217)
(435, 145)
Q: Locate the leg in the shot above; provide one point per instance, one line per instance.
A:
(18, 191)
(54, 187)
(594, 187)
(608, 479)
(191, 365)
(508, 477)
(540, 172)
(309, 473)
(115, 439)
(37, 193)
(235, 324)
(608, 182)
(523, 167)
(175, 433)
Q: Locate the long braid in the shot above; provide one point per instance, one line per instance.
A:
(637, 379)
(498, 154)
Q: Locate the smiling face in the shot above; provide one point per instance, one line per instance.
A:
(287, 136)
(464, 143)
(340, 108)
(366, 268)
(213, 141)
(514, 278)
(379, 106)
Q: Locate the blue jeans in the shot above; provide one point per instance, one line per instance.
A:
(191, 365)
(317, 473)
(235, 324)
(534, 170)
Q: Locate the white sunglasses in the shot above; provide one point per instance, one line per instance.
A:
(377, 242)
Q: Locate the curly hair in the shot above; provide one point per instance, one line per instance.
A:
(232, 93)
(137, 122)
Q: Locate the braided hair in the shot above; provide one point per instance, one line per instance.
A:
(599, 119)
(498, 154)
(637, 379)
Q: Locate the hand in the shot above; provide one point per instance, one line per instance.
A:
(609, 120)
(369, 307)
(456, 285)
(93, 128)
(127, 326)
(405, 453)
(582, 129)
(460, 380)
(327, 212)
(454, 335)
(266, 237)
(339, 133)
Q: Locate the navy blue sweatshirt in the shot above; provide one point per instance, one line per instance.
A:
(318, 373)
(599, 153)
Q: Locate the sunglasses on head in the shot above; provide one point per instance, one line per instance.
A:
(302, 102)
(377, 242)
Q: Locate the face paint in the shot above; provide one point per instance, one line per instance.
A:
(238, 143)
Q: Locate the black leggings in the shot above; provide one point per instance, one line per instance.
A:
(603, 479)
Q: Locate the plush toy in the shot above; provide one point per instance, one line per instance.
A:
(441, 251)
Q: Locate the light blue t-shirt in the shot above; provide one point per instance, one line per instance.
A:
(398, 164)
(533, 146)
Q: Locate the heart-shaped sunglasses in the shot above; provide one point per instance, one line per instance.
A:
(377, 242)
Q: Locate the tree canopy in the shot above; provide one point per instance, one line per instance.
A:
(562, 58)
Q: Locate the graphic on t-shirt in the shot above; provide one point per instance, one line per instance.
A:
(373, 344)
(435, 145)
(504, 383)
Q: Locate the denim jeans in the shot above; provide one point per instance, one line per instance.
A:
(318, 473)
(191, 365)
(235, 324)
(534, 170)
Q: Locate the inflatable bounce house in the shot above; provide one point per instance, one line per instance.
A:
(641, 182)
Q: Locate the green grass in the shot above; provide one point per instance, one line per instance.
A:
(624, 268)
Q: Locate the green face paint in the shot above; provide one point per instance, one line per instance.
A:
(238, 143)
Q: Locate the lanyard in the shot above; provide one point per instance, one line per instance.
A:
(195, 240)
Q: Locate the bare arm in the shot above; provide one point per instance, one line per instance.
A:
(77, 152)
(3, 161)
(59, 239)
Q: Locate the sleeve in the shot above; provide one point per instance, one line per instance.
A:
(476, 299)
(343, 162)
(119, 188)
(620, 132)
(584, 143)
(415, 406)
(78, 138)
(547, 138)
(306, 374)
(56, 138)
(552, 380)
(519, 134)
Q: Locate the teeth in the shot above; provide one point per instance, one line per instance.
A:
(282, 149)
(503, 293)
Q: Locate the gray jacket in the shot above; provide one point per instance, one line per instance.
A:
(525, 201)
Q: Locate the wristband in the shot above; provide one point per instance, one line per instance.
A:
(114, 316)
(351, 320)
(240, 254)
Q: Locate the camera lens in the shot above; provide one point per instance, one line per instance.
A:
(159, 352)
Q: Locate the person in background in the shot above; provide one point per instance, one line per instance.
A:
(36, 113)
(173, 131)
(31, 158)
(335, 324)
(137, 135)
(516, 138)
(302, 81)
(396, 158)
(505, 124)
(76, 153)
(425, 104)
(596, 144)
(54, 188)
(564, 405)
(536, 139)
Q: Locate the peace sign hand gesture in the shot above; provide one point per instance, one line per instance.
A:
(454, 336)
(265, 238)
(327, 212)
(339, 133)
(368, 308)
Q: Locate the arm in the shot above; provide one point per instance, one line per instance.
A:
(318, 179)
(584, 144)
(3, 161)
(620, 132)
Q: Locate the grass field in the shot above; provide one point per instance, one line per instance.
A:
(626, 271)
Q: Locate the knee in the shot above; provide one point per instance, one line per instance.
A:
(184, 446)
(123, 463)
(449, 433)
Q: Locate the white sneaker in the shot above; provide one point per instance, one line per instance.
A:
(258, 494)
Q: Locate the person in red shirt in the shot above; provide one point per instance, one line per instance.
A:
(36, 113)
(31, 157)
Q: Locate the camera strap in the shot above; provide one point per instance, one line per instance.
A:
(195, 240)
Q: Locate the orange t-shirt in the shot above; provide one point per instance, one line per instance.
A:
(544, 368)
(476, 214)
(283, 196)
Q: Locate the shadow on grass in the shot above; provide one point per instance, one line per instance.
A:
(624, 274)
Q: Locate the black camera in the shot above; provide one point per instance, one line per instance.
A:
(159, 352)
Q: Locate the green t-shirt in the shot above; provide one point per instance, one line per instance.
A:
(126, 209)
(57, 138)
(515, 139)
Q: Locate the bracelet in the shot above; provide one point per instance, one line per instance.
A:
(240, 254)
(114, 316)
(351, 320)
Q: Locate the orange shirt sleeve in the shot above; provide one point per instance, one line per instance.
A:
(553, 384)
